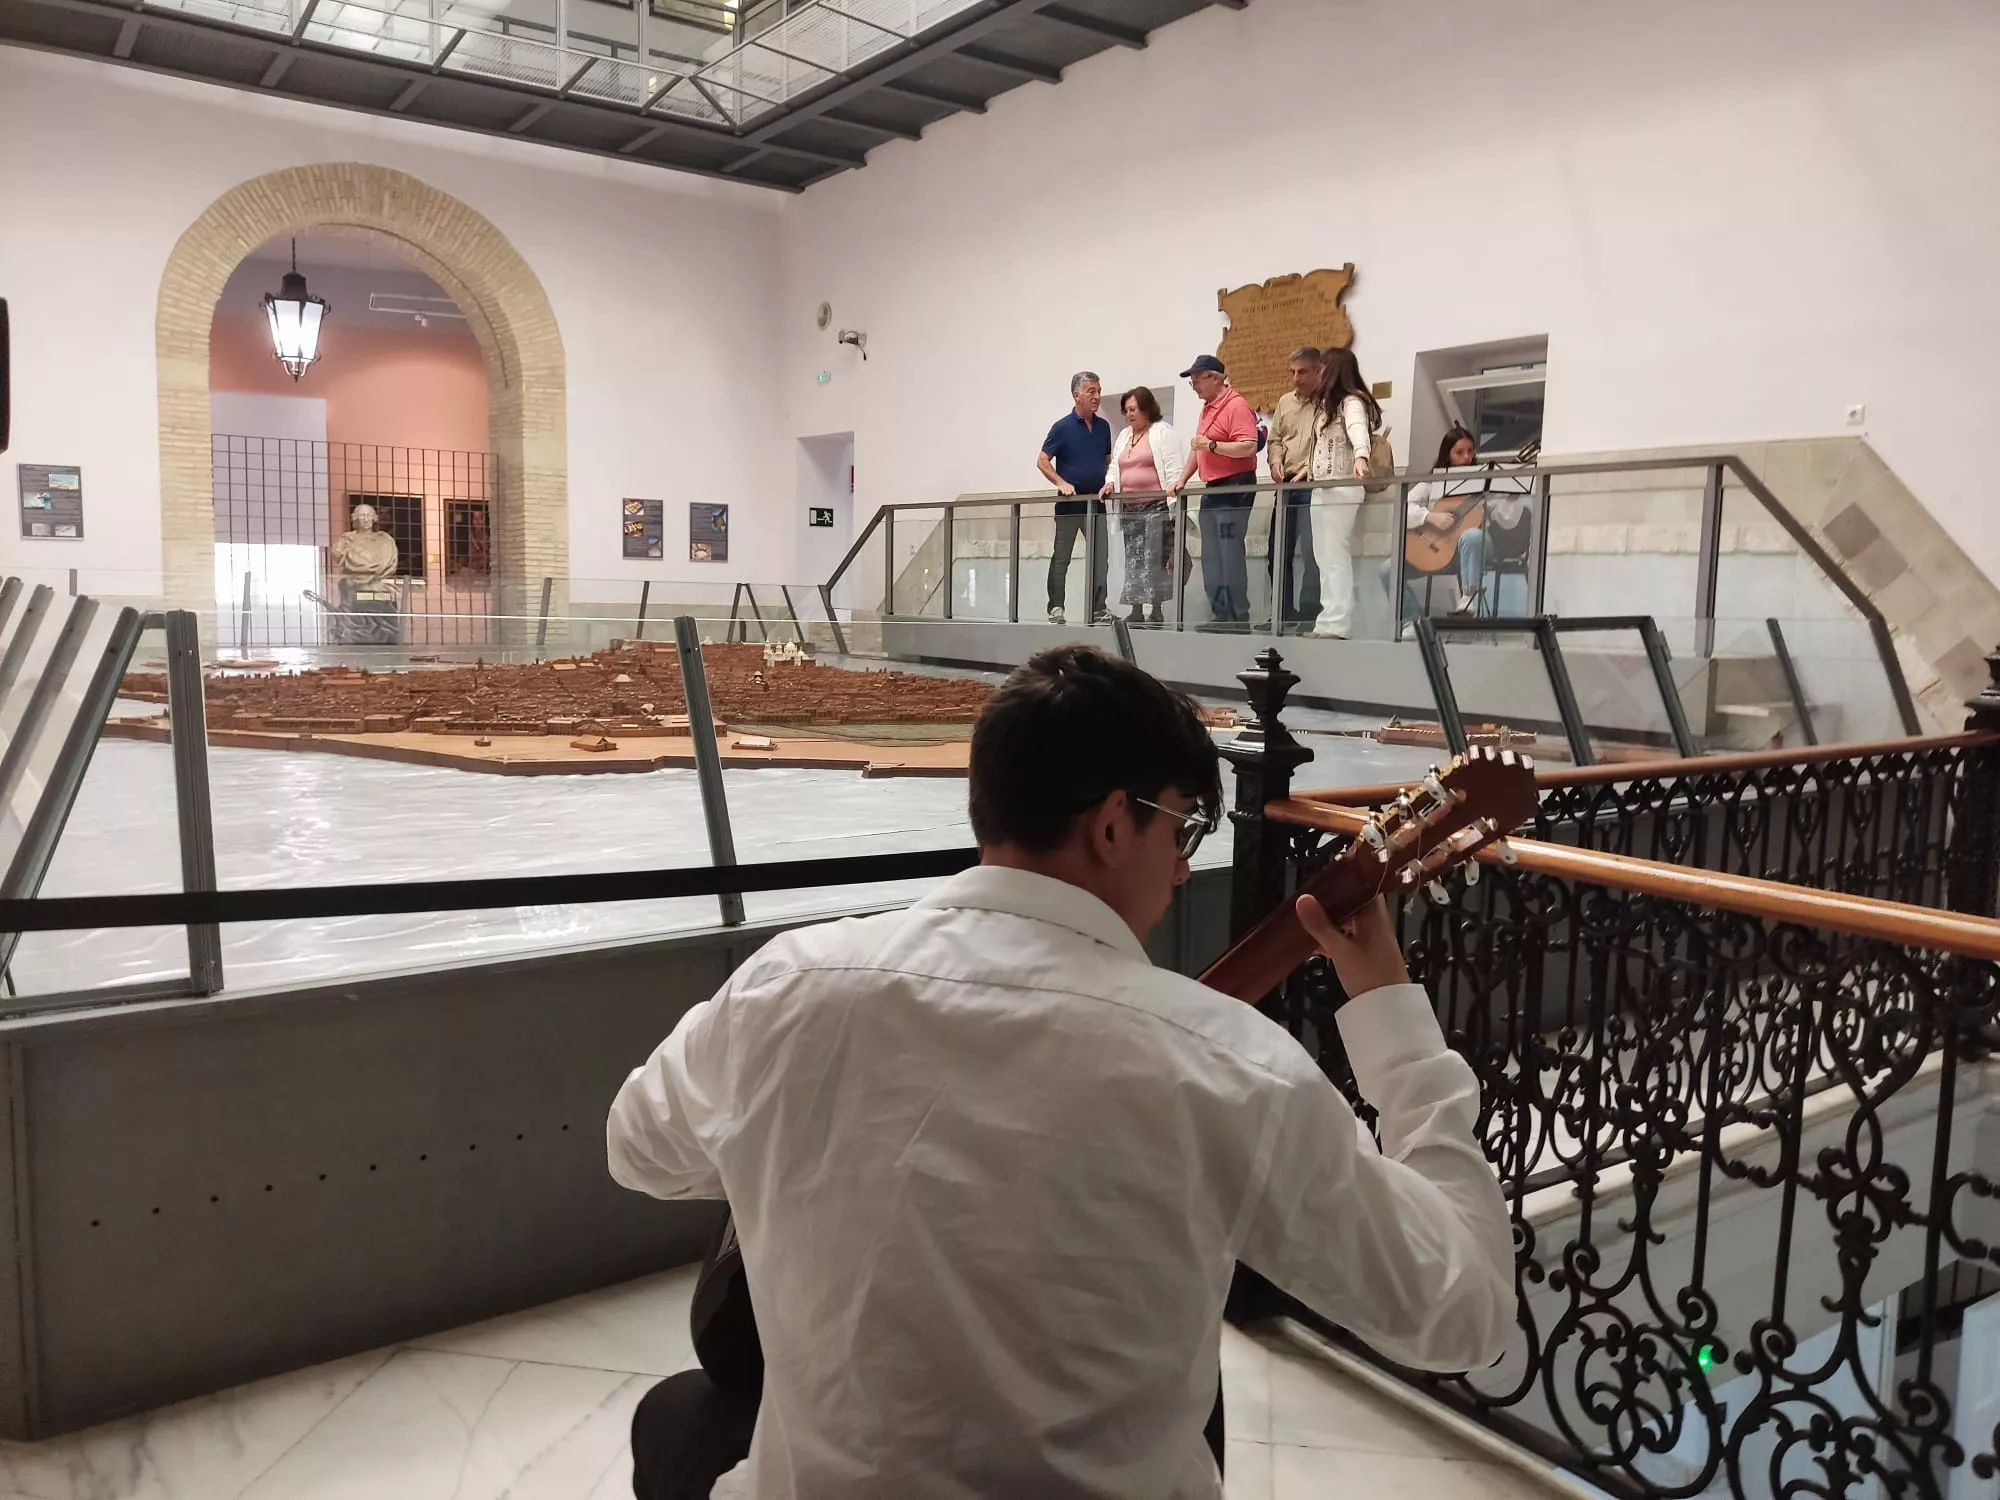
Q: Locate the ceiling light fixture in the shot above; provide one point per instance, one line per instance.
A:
(295, 316)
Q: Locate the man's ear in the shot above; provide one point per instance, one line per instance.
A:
(1110, 828)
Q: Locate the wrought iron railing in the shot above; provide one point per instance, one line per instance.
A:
(1736, 1110)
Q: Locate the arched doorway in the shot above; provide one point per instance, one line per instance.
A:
(463, 252)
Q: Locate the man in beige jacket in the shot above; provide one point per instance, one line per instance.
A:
(1291, 454)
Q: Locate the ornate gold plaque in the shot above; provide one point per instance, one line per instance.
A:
(1266, 323)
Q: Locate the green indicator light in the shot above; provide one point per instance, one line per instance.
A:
(1706, 1356)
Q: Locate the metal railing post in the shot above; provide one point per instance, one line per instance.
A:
(950, 546)
(645, 598)
(542, 628)
(1707, 563)
(1093, 516)
(1538, 555)
(242, 616)
(1670, 695)
(1281, 560)
(707, 760)
(1014, 564)
(1794, 688)
(10, 595)
(1972, 853)
(45, 825)
(48, 687)
(888, 563)
(1179, 561)
(1399, 580)
(23, 639)
(839, 636)
(798, 626)
(188, 723)
(1559, 683)
(1451, 723)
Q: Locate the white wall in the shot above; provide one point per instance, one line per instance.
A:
(661, 286)
(1731, 220)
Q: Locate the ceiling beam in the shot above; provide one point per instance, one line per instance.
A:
(391, 74)
(280, 65)
(898, 132)
(128, 38)
(944, 98)
(1002, 62)
(644, 138)
(989, 16)
(409, 95)
(1104, 31)
(533, 114)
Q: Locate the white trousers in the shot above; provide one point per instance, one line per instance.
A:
(1334, 513)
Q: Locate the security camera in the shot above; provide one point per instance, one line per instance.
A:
(858, 339)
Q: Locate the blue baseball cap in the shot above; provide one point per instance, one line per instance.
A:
(1207, 362)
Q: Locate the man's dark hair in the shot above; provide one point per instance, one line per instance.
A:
(1067, 730)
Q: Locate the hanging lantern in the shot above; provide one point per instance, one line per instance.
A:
(295, 316)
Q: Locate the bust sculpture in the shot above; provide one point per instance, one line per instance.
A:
(365, 561)
(362, 554)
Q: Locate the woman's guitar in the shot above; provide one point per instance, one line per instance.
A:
(1433, 546)
(1423, 835)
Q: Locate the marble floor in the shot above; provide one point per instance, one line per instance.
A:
(535, 1406)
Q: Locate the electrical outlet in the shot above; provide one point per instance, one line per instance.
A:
(1857, 414)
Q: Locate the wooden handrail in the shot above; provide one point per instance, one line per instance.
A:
(1767, 900)
(1701, 765)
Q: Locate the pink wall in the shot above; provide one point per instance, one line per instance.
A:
(419, 389)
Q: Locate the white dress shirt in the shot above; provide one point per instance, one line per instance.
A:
(992, 1170)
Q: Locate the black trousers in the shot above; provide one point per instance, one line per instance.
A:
(1068, 529)
(689, 1432)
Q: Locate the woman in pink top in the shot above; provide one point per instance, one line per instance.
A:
(1148, 458)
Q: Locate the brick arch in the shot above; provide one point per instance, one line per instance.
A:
(458, 248)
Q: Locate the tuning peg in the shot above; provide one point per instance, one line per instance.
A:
(1506, 852)
(1372, 836)
(1472, 873)
(1435, 787)
(1438, 893)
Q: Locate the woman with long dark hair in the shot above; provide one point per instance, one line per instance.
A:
(1483, 522)
(1345, 417)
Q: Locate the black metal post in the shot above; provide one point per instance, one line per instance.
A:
(1708, 563)
(707, 759)
(1538, 559)
(1014, 563)
(1178, 562)
(1399, 572)
(645, 598)
(1122, 632)
(950, 548)
(542, 628)
(187, 714)
(1670, 695)
(1794, 688)
(1559, 683)
(1430, 649)
(1264, 756)
(839, 635)
(1972, 857)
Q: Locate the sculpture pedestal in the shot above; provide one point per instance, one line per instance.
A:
(368, 616)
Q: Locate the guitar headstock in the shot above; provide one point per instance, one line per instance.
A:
(1431, 829)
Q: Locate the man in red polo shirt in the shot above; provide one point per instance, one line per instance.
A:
(1225, 454)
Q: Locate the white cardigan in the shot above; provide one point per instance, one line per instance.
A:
(1337, 444)
(1170, 455)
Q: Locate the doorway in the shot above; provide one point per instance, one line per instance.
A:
(825, 512)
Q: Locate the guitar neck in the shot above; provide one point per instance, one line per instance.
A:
(1271, 950)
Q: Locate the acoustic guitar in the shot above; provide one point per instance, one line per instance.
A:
(1428, 831)
(1433, 547)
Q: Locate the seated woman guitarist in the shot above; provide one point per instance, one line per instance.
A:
(992, 1170)
(1460, 525)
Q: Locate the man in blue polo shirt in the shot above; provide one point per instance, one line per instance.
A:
(1075, 457)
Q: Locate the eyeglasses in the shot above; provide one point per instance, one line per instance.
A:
(1195, 826)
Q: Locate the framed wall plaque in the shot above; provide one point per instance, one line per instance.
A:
(51, 501)
(645, 528)
(708, 533)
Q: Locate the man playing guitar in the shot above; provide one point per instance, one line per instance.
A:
(992, 1169)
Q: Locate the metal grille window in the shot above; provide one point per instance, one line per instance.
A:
(402, 516)
(468, 539)
(281, 503)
